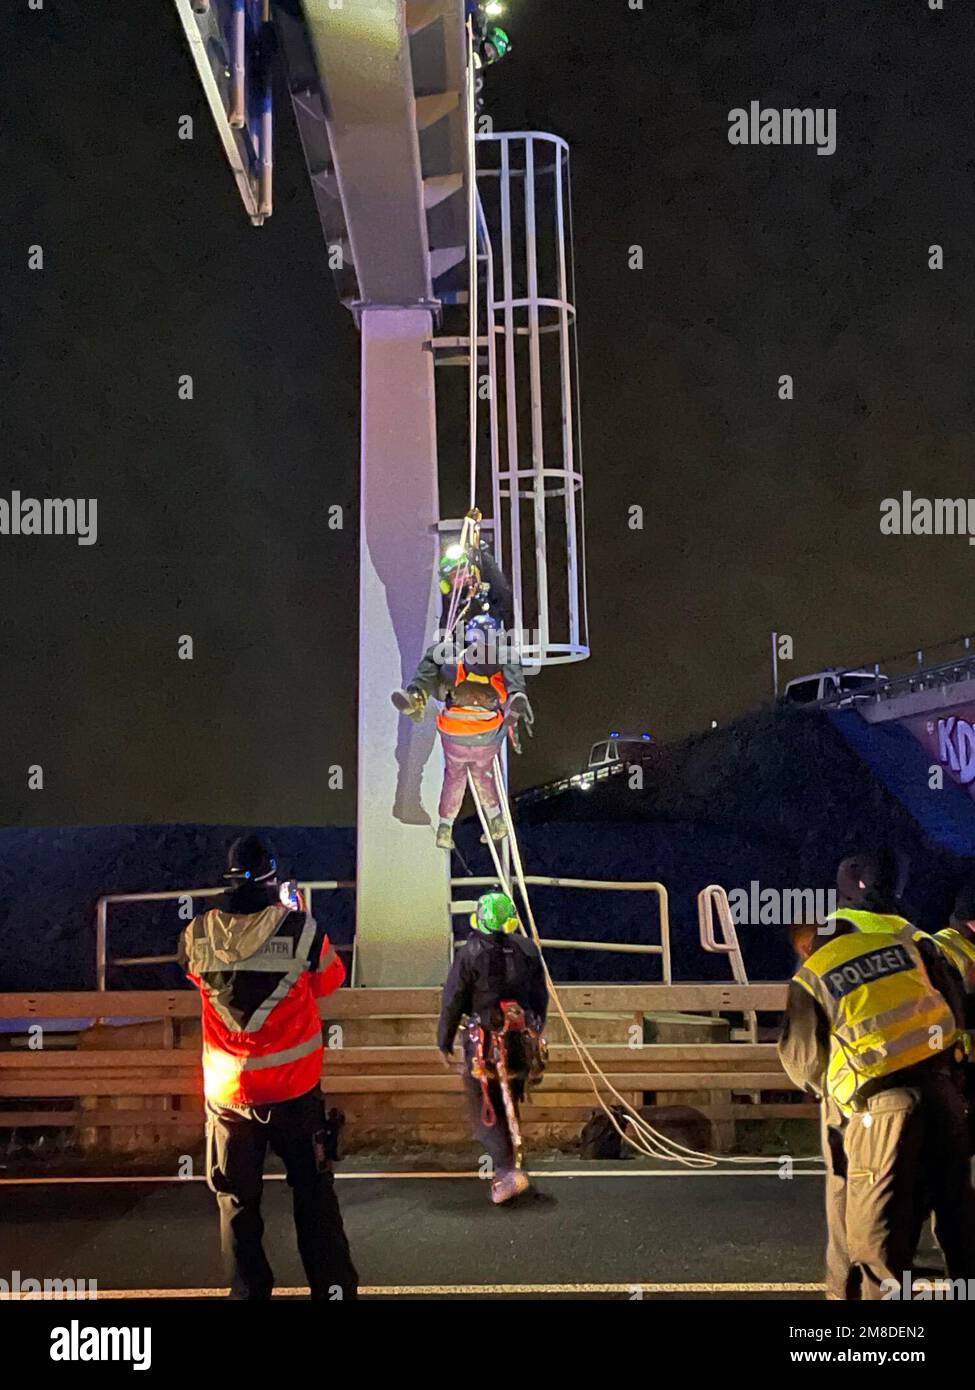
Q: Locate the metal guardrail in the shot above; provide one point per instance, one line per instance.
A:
(579, 781)
(892, 687)
(102, 961)
(711, 898)
(600, 885)
(714, 900)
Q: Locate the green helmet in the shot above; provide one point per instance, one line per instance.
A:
(497, 38)
(495, 912)
(452, 558)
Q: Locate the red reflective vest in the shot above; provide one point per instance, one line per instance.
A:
(259, 977)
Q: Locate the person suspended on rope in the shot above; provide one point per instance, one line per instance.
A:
(491, 42)
(480, 583)
(497, 983)
(482, 689)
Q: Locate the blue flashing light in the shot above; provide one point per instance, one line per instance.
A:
(614, 735)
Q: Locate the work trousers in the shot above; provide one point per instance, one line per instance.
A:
(842, 1276)
(458, 758)
(237, 1142)
(904, 1156)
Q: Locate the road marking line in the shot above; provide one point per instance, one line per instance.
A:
(540, 1176)
(436, 1290)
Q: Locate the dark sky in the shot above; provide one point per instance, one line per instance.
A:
(760, 514)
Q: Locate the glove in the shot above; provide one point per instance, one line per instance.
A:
(519, 709)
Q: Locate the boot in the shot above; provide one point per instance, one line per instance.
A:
(497, 828)
(411, 703)
(445, 835)
(508, 1186)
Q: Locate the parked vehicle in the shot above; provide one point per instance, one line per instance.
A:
(620, 748)
(834, 686)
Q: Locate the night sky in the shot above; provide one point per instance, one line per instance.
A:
(760, 514)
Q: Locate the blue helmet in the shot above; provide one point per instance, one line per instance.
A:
(482, 627)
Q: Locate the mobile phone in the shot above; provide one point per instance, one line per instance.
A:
(289, 895)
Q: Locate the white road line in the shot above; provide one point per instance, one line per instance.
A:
(541, 1175)
(637, 1287)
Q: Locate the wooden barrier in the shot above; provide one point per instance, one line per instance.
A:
(144, 1075)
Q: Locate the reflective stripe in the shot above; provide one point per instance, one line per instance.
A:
(868, 922)
(961, 952)
(290, 968)
(901, 1013)
(460, 719)
(279, 1059)
(296, 968)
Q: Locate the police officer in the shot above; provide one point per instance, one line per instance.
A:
(957, 941)
(871, 1029)
(260, 966)
(497, 981)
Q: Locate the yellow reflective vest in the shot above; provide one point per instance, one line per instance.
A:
(960, 950)
(883, 1012)
(873, 922)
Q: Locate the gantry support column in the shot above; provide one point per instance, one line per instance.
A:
(402, 893)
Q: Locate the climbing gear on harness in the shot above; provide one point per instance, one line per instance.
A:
(489, 1061)
(460, 572)
(495, 912)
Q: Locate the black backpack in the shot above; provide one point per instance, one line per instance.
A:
(599, 1139)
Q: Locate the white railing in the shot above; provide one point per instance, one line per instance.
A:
(102, 960)
(462, 907)
(711, 901)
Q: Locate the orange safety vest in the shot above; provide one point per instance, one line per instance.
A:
(473, 719)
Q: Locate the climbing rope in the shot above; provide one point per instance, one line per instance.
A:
(472, 260)
(644, 1137)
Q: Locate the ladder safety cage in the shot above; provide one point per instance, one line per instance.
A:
(525, 247)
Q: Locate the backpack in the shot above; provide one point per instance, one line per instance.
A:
(598, 1138)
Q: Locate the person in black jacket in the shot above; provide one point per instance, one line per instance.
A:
(497, 982)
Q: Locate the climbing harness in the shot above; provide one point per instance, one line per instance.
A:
(489, 1061)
